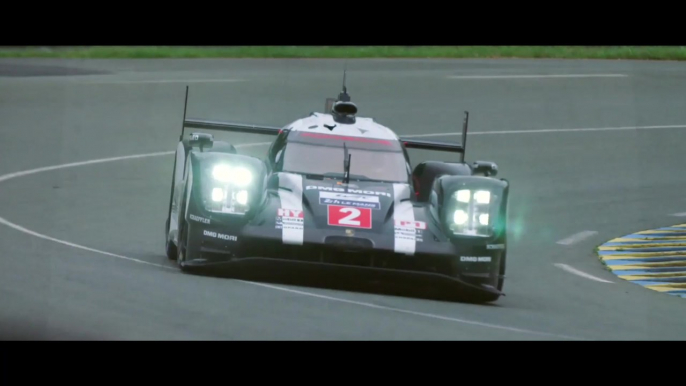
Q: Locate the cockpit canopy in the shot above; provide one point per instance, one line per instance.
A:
(319, 154)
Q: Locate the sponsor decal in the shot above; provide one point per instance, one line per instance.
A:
(410, 224)
(405, 237)
(353, 200)
(495, 246)
(217, 235)
(289, 213)
(199, 219)
(289, 219)
(349, 217)
(343, 190)
(409, 230)
(476, 259)
(227, 237)
(406, 234)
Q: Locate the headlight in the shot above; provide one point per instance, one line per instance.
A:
(242, 197)
(217, 194)
(469, 212)
(238, 176)
(225, 192)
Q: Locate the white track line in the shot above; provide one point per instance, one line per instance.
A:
(557, 76)
(143, 81)
(82, 163)
(42, 236)
(580, 273)
(575, 238)
(573, 130)
(433, 316)
(682, 214)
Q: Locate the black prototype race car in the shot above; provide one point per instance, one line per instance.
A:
(337, 192)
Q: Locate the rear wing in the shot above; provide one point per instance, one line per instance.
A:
(223, 126)
(228, 126)
(272, 130)
(441, 146)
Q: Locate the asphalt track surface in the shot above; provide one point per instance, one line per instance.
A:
(72, 239)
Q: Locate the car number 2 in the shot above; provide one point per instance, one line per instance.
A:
(350, 217)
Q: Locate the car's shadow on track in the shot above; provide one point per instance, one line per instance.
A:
(433, 291)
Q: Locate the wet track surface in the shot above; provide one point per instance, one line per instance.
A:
(572, 190)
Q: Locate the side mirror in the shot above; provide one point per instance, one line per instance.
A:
(486, 168)
(201, 139)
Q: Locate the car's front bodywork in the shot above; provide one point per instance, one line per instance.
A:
(361, 226)
(306, 208)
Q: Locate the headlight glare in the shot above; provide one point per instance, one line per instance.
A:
(463, 195)
(239, 176)
(242, 197)
(470, 212)
(482, 196)
(483, 219)
(222, 173)
(460, 217)
(227, 190)
(217, 194)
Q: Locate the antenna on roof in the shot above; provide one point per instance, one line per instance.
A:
(346, 166)
(343, 110)
(464, 135)
(343, 96)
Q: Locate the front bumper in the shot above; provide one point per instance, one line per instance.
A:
(329, 253)
(264, 268)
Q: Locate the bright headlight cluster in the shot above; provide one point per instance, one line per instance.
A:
(242, 197)
(471, 212)
(238, 176)
(228, 193)
(217, 194)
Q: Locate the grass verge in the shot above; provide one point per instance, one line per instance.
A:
(557, 52)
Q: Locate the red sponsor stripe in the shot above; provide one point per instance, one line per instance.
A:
(346, 138)
(410, 224)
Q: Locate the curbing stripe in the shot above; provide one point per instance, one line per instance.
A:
(653, 258)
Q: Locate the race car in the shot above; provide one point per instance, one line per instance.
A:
(337, 192)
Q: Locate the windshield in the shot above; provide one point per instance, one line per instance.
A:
(364, 164)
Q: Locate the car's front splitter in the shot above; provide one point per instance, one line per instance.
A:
(263, 268)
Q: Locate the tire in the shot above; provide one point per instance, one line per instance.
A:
(183, 249)
(187, 246)
(170, 249)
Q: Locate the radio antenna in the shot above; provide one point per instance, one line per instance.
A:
(343, 96)
(346, 166)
